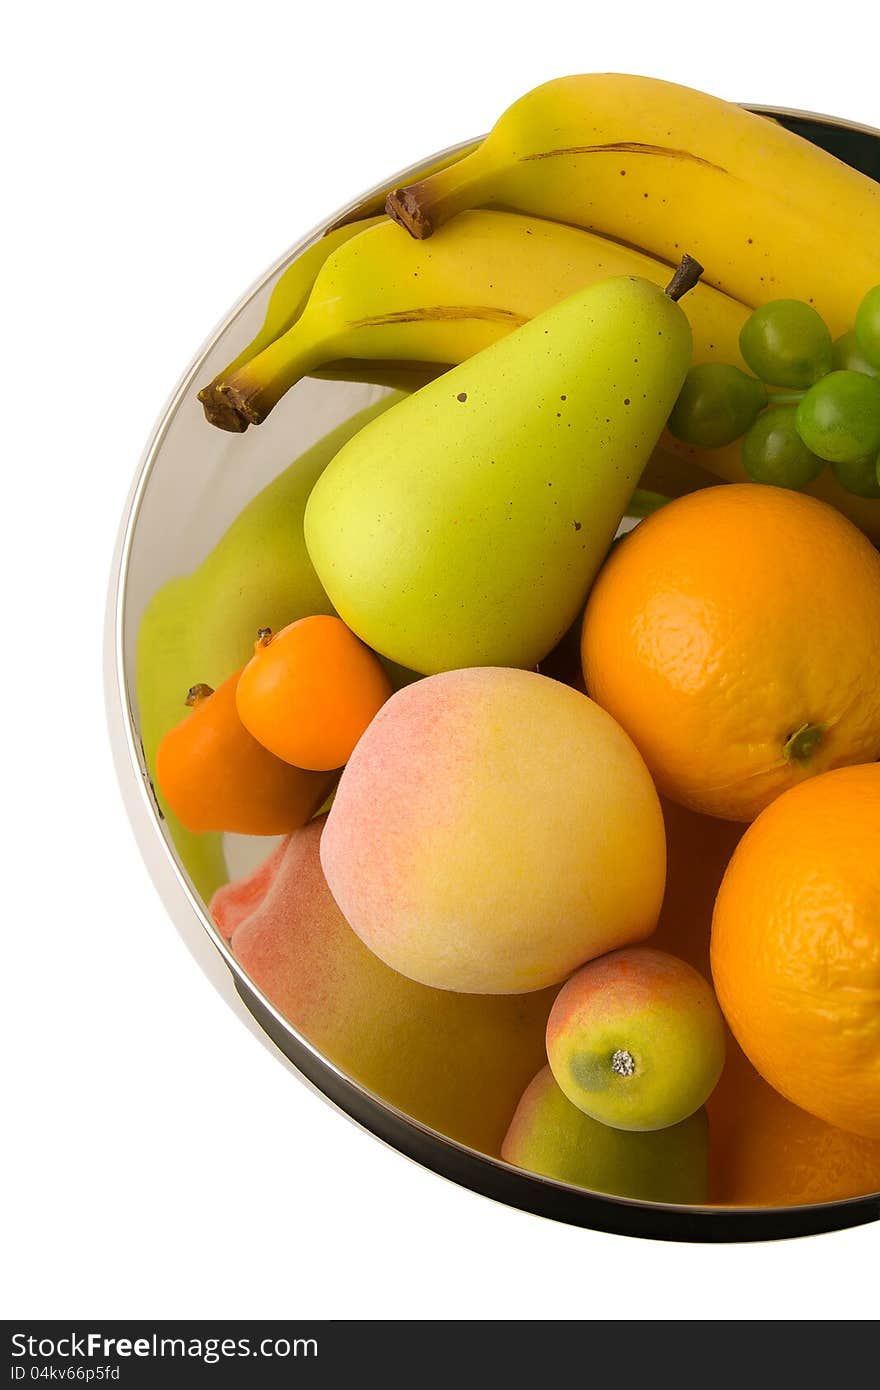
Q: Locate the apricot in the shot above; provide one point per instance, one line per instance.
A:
(457, 1063)
(216, 776)
(493, 830)
(310, 690)
(551, 1136)
(636, 1039)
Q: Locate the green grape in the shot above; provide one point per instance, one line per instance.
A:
(861, 477)
(848, 356)
(773, 451)
(786, 343)
(868, 326)
(717, 404)
(839, 418)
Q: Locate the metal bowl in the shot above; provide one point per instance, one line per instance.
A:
(190, 484)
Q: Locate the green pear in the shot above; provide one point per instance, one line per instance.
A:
(551, 1136)
(465, 527)
(201, 627)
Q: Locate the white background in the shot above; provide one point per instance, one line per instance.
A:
(156, 158)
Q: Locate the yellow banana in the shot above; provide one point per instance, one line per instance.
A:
(383, 297)
(285, 305)
(670, 169)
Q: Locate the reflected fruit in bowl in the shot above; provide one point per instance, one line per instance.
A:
(456, 1062)
(549, 1135)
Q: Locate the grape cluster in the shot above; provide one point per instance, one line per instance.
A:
(828, 410)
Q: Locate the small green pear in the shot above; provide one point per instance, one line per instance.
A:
(200, 627)
(465, 527)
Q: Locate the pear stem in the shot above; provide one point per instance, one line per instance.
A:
(686, 276)
(264, 637)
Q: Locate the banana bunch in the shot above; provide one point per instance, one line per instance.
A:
(669, 169)
(382, 297)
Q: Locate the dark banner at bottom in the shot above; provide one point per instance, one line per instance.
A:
(134, 1354)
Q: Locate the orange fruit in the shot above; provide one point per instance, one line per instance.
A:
(309, 692)
(766, 1152)
(795, 947)
(735, 635)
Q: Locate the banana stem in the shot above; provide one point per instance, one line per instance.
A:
(422, 207)
(211, 396)
(218, 413)
(255, 388)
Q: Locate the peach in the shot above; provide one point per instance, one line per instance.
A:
(457, 1063)
(493, 830)
(636, 1039)
(549, 1135)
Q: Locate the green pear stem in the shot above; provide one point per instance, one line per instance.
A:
(685, 278)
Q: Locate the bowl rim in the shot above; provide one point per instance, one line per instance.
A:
(817, 117)
(449, 1158)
